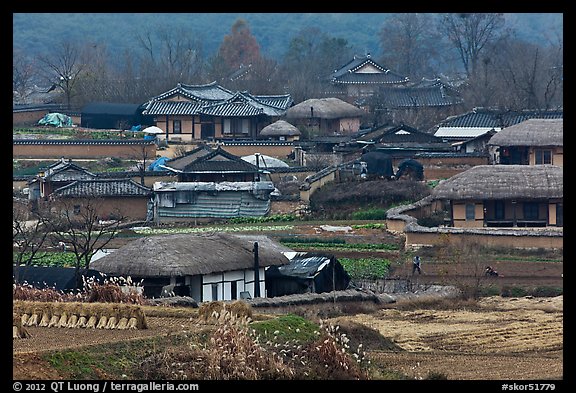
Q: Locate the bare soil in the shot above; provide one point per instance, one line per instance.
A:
(499, 338)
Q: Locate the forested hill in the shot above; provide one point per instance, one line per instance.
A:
(35, 33)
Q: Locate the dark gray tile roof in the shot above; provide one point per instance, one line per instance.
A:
(494, 118)
(420, 95)
(233, 109)
(347, 73)
(217, 161)
(215, 100)
(398, 134)
(180, 163)
(173, 108)
(103, 188)
(208, 92)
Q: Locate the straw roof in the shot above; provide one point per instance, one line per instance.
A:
(532, 132)
(324, 108)
(280, 128)
(190, 254)
(503, 182)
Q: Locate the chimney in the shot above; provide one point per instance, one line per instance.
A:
(256, 271)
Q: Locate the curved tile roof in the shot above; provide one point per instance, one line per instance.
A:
(351, 73)
(103, 187)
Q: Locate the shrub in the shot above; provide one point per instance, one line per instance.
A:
(370, 214)
(508, 291)
(547, 291)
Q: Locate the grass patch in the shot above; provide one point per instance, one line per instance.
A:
(344, 247)
(366, 268)
(287, 328)
(112, 361)
(370, 214)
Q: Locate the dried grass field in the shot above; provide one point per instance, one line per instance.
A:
(498, 339)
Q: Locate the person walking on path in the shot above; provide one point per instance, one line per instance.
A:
(416, 265)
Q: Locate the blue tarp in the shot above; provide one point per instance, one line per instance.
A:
(56, 119)
(155, 166)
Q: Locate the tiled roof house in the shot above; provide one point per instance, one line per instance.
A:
(210, 111)
(481, 120)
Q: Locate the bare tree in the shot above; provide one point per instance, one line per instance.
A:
(470, 33)
(171, 56)
(531, 75)
(23, 73)
(28, 236)
(408, 44)
(310, 59)
(79, 225)
(64, 68)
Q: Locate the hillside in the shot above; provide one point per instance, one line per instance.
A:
(36, 32)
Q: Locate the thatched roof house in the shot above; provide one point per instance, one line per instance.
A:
(531, 142)
(324, 108)
(280, 130)
(196, 262)
(532, 132)
(503, 182)
(326, 116)
(505, 195)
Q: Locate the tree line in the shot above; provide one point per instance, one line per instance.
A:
(485, 58)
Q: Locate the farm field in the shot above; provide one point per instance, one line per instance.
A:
(497, 338)
(512, 338)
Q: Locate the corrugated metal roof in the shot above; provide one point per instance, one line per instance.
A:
(462, 132)
(215, 200)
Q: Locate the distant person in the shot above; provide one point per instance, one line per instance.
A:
(416, 265)
(489, 271)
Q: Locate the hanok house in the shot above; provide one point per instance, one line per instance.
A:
(479, 121)
(212, 183)
(207, 267)
(209, 112)
(426, 93)
(280, 130)
(205, 164)
(57, 175)
(400, 141)
(110, 198)
(362, 76)
(326, 116)
(531, 142)
(307, 272)
(504, 196)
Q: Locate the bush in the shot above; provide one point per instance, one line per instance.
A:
(513, 291)
(370, 214)
(547, 292)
